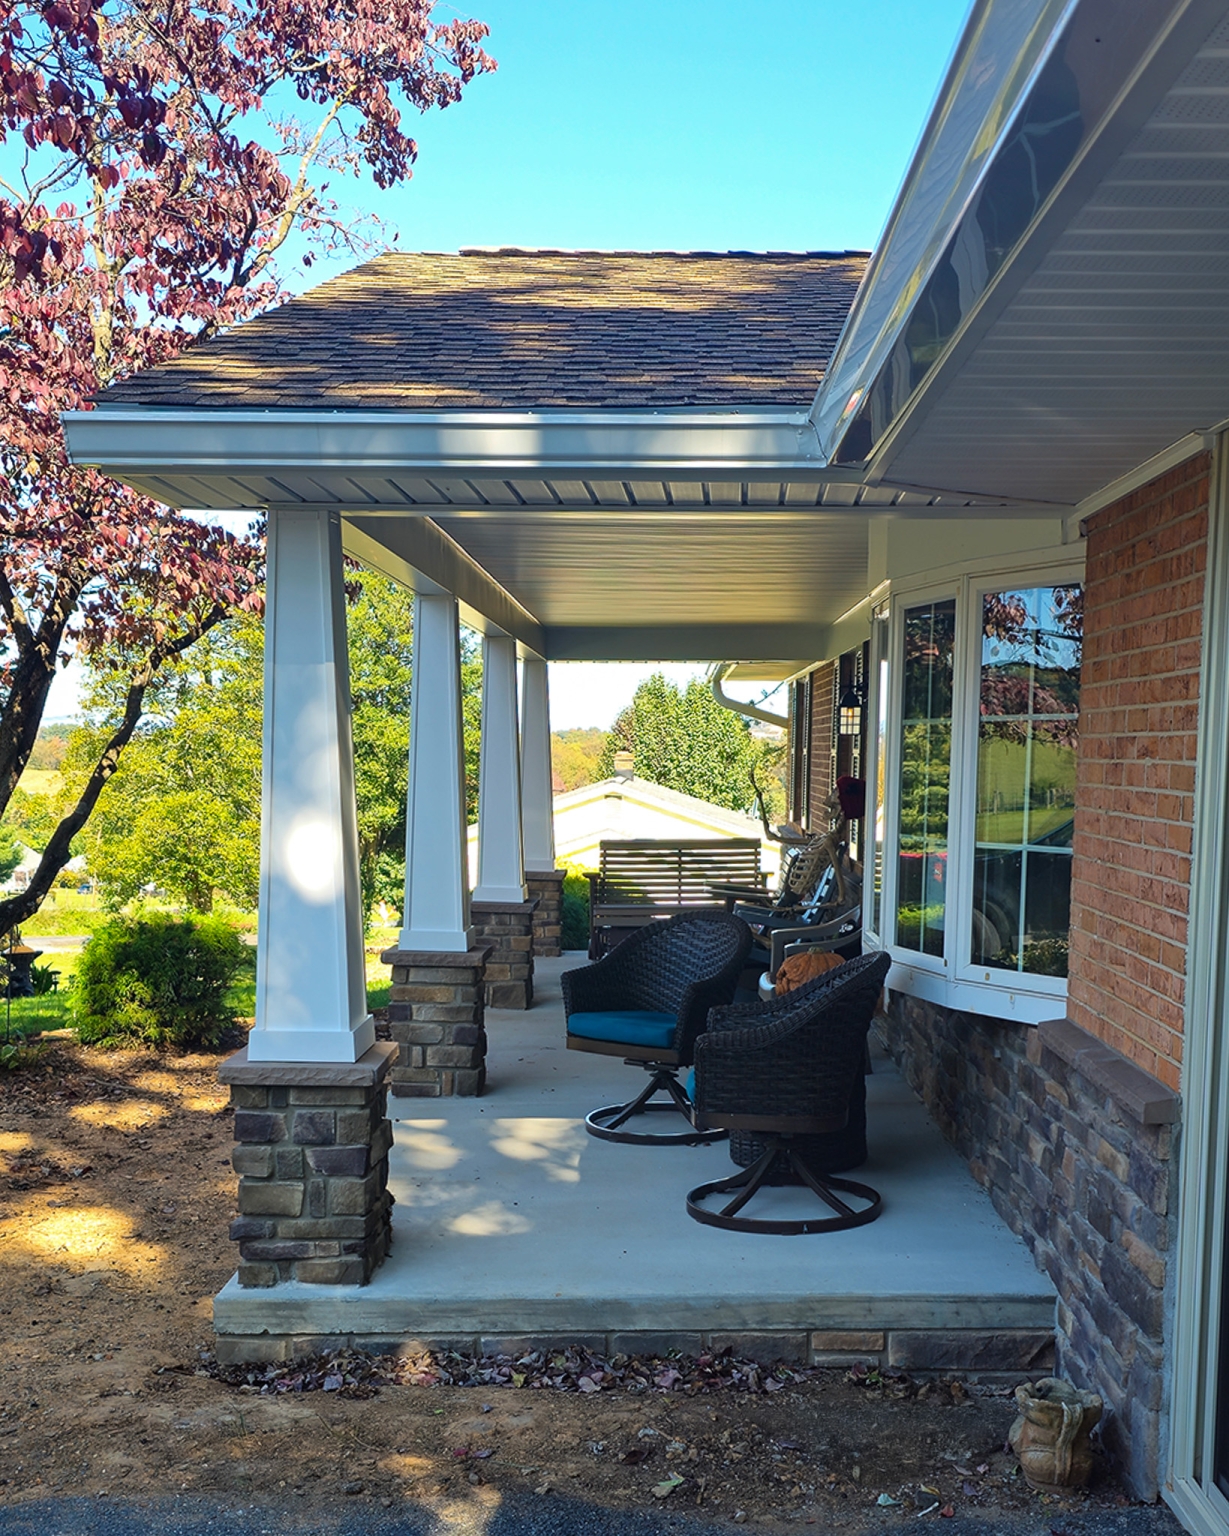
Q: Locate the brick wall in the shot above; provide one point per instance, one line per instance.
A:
(1136, 775)
(823, 686)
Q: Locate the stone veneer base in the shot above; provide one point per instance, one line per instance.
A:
(1073, 1143)
(984, 1354)
(312, 1143)
(507, 927)
(545, 886)
(436, 1016)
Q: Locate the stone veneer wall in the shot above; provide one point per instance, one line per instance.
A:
(437, 1019)
(545, 886)
(312, 1159)
(1073, 1143)
(507, 928)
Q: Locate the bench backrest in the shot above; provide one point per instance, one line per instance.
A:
(647, 872)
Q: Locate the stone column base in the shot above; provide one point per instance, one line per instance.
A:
(312, 1159)
(508, 927)
(435, 1015)
(546, 887)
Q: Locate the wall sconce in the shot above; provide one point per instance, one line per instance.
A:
(850, 717)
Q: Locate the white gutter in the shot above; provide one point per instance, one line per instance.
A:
(752, 711)
(703, 444)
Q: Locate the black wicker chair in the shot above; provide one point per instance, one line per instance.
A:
(787, 1080)
(647, 1001)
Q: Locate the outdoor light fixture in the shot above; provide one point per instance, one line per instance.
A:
(850, 712)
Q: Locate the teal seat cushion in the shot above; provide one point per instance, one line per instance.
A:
(691, 1085)
(633, 1026)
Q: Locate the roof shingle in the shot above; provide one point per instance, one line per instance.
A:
(521, 329)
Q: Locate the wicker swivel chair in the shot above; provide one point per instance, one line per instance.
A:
(786, 1079)
(647, 1001)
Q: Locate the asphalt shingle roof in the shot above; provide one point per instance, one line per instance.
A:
(529, 328)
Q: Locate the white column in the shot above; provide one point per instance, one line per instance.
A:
(501, 862)
(311, 990)
(436, 873)
(537, 796)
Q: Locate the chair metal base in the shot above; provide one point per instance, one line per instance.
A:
(604, 1123)
(746, 1183)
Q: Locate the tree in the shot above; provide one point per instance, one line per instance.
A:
(183, 812)
(160, 169)
(10, 853)
(576, 757)
(684, 739)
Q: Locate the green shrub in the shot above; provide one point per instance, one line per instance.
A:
(157, 980)
(575, 910)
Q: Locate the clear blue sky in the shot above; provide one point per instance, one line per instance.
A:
(693, 124)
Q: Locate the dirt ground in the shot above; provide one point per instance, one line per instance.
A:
(115, 1192)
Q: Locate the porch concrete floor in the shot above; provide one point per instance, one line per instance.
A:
(512, 1221)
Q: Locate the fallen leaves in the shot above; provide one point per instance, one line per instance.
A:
(355, 1374)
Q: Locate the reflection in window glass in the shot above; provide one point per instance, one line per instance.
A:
(925, 771)
(878, 828)
(1029, 699)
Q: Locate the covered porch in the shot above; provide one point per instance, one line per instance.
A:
(565, 515)
(513, 1228)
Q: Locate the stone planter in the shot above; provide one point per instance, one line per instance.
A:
(1050, 1436)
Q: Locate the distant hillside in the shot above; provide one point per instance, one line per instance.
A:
(575, 755)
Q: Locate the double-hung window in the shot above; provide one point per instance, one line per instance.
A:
(976, 712)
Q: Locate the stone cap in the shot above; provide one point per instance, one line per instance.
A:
(546, 874)
(1144, 1097)
(438, 959)
(505, 906)
(367, 1072)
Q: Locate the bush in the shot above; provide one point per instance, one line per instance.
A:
(575, 910)
(157, 980)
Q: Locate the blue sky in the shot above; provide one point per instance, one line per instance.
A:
(667, 124)
(664, 124)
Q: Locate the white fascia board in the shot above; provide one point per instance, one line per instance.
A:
(489, 444)
(995, 60)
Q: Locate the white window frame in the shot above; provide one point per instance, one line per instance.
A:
(951, 979)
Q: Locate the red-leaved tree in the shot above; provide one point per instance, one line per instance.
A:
(155, 157)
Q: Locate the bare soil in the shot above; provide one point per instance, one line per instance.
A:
(115, 1192)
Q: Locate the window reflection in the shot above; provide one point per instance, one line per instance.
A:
(925, 772)
(1028, 736)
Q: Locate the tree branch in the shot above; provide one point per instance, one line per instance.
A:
(24, 904)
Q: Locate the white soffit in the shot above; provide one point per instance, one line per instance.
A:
(1117, 343)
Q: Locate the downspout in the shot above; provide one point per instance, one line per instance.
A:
(719, 673)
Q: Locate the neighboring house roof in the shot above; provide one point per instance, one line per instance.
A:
(514, 328)
(621, 809)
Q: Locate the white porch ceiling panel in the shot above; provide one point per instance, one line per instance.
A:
(640, 571)
(1117, 345)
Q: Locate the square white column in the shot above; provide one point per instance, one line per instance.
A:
(537, 794)
(436, 864)
(501, 861)
(311, 988)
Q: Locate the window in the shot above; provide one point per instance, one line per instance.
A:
(977, 709)
(1028, 703)
(925, 772)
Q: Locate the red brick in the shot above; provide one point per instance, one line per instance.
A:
(1133, 835)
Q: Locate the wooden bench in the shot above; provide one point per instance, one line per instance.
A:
(641, 881)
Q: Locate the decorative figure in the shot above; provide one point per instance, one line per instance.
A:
(1050, 1436)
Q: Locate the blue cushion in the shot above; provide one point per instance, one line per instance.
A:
(634, 1026)
(691, 1085)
